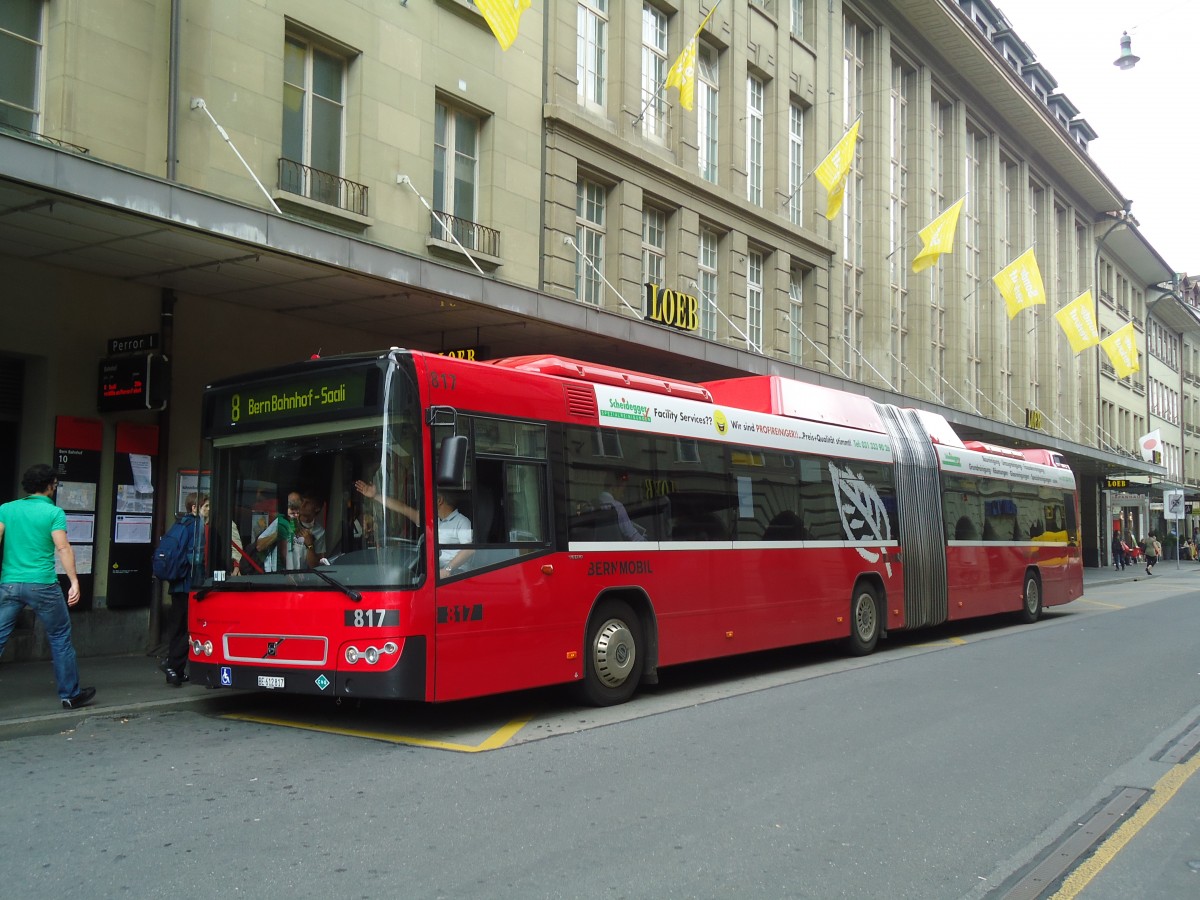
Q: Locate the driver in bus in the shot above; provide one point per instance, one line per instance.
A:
(453, 527)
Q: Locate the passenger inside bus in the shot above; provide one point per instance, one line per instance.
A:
(297, 539)
(610, 498)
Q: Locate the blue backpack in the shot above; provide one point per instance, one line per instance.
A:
(171, 560)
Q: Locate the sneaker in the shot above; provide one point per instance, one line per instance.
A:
(174, 678)
(83, 698)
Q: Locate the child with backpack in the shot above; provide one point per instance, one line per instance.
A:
(179, 552)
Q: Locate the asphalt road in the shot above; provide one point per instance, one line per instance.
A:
(942, 767)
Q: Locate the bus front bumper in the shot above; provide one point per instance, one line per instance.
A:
(404, 681)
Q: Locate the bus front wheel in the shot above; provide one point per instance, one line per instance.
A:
(1031, 600)
(612, 655)
(864, 620)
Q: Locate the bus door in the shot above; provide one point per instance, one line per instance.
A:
(494, 610)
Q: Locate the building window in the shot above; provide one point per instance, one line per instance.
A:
(902, 86)
(1006, 237)
(754, 300)
(797, 20)
(707, 86)
(854, 66)
(654, 71)
(313, 116)
(754, 140)
(795, 163)
(20, 56)
(940, 163)
(589, 237)
(592, 52)
(975, 169)
(796, 316)
(455, 171)
(1037, 222)
(708, 283)
(654, 246)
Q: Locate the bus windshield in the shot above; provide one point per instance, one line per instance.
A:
(289, 501)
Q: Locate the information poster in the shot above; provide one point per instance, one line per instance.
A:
(135, 472)
(77, 446)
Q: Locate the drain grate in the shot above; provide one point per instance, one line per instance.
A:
(1064, 855)
(1182, 747)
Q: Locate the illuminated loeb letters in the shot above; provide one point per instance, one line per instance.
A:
(672, 308)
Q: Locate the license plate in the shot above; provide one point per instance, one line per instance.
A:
(270, 681)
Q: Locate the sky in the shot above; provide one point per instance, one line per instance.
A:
(1147, 117)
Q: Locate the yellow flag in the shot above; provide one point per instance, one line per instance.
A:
(938, 236)
(833, 203)
(503, 17)
(1121, 347)
(682, 75)
(833, 168)
(1078, 320)
(1020, 283)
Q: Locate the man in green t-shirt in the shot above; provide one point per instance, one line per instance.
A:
(32, 530)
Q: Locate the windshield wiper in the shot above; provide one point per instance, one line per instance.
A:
(215, 586)
(349, 592)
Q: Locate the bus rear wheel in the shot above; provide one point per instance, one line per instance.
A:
(612, 655)
(1031, 600)
(864, 620)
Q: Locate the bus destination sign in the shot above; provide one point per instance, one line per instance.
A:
(295, 399)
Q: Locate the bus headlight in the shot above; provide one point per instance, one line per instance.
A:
(371, 655)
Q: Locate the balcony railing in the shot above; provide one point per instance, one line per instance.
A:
(470, 234)
(323, 187)
(33, 135)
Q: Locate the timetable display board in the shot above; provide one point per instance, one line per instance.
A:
(135, 472)
(77, 448)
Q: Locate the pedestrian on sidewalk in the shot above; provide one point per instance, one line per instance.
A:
(195, 522)
(1153, 552)
(32, 531)
(1118, 550)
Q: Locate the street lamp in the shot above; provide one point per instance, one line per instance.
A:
(1119, 218)
(1126, 60)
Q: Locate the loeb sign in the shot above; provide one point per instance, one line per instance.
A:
(672, 308)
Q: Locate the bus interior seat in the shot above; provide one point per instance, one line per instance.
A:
(595, 525)
(964, 529)
(703, 527)
(786, 526)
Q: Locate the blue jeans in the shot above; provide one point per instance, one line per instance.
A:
(47, 601)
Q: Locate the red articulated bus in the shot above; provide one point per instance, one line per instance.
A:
(408, 525)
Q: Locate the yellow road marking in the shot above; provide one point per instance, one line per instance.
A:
(1100, 603)
(497, 739)
(961, 642)
(1164, 790)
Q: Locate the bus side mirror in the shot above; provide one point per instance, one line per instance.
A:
(452, 461)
